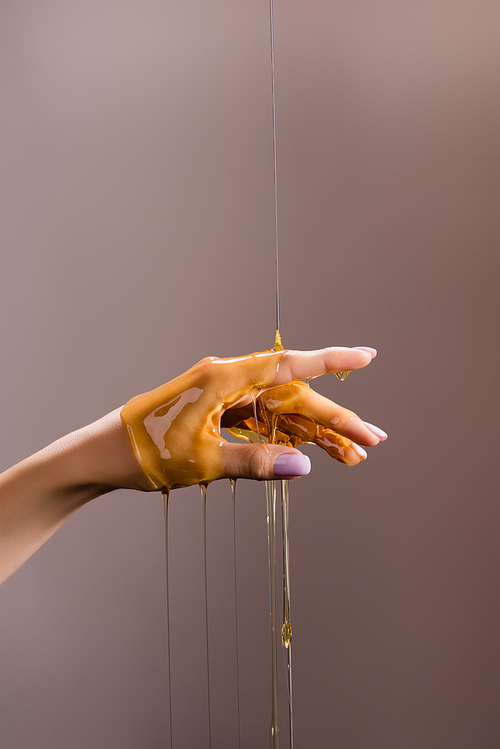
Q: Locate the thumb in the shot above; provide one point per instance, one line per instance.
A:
(263, 461)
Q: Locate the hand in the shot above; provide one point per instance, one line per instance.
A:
(175, 436)
(175, 429)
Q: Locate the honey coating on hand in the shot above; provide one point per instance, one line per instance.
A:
(270, 421)
(175, 429)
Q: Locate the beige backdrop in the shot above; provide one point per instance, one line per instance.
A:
(137, 237)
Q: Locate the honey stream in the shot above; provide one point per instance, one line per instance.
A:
(233, 494)
(165, 495)
(286, 628)
(278, 437)
(271, 485)
(203, 489)
(271, 541)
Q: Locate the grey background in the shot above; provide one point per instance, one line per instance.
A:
(137, 237)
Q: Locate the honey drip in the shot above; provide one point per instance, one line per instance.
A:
(271, 542)
(165, 495)
(286, 628)
(233, 495)
(203, 489)
(275, 436)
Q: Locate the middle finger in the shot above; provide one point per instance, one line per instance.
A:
(299, 398)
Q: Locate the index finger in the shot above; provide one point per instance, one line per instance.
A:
(299, 365)
(267, 368)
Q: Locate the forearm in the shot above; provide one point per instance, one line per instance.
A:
(40, 493)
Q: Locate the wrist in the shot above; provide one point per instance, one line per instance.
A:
(38, 494)
(100, 458)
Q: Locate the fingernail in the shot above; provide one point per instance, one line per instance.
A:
(359, 450)
(376, 430)
(372, 351)
(292, 464)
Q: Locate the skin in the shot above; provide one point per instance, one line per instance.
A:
(170, 437)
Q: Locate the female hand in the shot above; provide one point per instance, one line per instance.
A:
(175, 436)
(175, 429)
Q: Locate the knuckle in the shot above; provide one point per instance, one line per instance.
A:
(296, 397)
(343, 418)
(205, 367)
(350, 416)
(259, 463)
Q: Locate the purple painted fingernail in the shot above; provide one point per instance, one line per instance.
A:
(376, 430)
(372, 351)
(292, 464)
(359, 450)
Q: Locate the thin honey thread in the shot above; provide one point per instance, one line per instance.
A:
(271, 547)
(203, 489)
(233, 494)
(165, 495)
(271, 535)
(275, 164)
(271, 486)
(286, 630)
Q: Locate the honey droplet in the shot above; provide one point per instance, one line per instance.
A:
(286, 632)
(342, 375)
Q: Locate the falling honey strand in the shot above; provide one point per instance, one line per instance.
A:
(203, 489)
(233, 495)
(286, 629)
(271, 542)
(165, 494)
